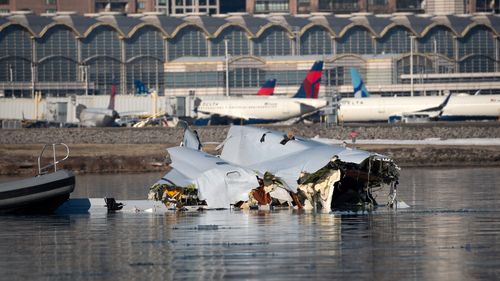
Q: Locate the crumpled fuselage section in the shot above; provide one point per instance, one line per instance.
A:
(259, 167)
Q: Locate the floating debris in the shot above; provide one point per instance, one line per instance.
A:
(261, 168)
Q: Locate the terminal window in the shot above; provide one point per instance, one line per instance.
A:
(377, 2)
(408, 5)
(263, 6)
(338, 6)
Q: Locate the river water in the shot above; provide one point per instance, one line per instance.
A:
(451, 232)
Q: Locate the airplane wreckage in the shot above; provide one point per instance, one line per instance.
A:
(261, 168)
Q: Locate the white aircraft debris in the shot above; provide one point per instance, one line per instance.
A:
(265, 168)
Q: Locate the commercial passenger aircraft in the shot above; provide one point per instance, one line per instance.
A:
(265, 109)
(387, 109)
(98, 117)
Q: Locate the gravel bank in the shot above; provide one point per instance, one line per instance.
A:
(218, 133)
(118, 150)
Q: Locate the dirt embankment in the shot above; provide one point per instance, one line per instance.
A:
(117, 150)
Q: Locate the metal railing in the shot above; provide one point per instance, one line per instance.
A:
(45, 169)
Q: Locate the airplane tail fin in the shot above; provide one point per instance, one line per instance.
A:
(310, 87)
(191, 138)
(112, 97)
(358, 85)
(79, 110)
(197, 103)
(267, 88)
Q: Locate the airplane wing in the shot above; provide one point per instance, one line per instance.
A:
(137, 113)
(232, 116)
(307, 109)
(438, 108)
(427, 113)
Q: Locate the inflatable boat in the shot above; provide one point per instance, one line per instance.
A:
(43, 193)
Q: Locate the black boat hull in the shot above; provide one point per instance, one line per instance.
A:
(38, 195)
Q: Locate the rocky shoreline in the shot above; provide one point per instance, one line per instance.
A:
(123, 150)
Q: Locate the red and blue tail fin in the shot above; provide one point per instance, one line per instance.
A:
(310, 87)
(112, 97)
(267, 88)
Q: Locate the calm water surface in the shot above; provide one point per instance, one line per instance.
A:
(451, 232)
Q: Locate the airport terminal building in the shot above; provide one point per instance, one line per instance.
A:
(66, 53)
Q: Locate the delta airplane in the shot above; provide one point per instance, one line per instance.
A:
(265, 109)
(98, 117)
(366, 108)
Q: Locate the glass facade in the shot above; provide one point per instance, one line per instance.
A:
(238, 78)
(103, 41)
(101, 51)
(189, 42)
(246, 77)
(60, 55)
(478, 41)
(421, 65)
(438, 40)
(357, 40)
(238, 42)
(395, 41)
(57, 55)
(146, 42)
(316, 41)
(194, 79)
(144, 55)
(103, 73)
(148, 70)
(477, 63)
(15, 54)
(274, 41)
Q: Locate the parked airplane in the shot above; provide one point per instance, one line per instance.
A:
(98, 117)
(423, 108)
(250, 110)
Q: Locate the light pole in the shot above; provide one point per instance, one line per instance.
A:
(226, 56)
(412, 40)
(436, 68)
(11, 79)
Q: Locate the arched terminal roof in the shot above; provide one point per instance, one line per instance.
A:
(337, 25)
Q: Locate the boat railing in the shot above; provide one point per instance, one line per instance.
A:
(45, 169)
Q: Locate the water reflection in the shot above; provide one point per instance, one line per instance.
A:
(452, 232)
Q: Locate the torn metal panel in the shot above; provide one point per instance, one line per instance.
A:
(319, 193)
(261, 150)
(218, 182)
(250, 146)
